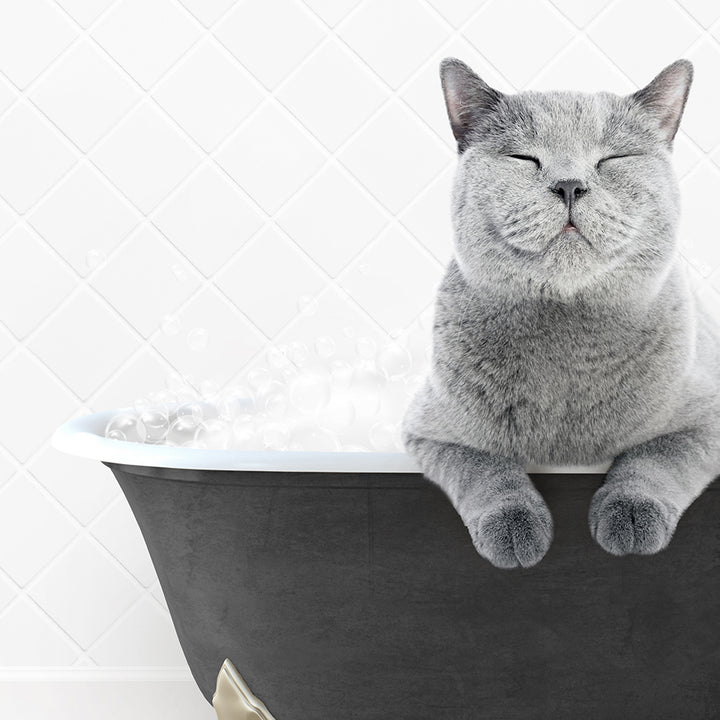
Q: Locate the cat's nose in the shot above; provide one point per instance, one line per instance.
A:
(569, 190)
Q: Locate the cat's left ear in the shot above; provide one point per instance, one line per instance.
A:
(665, 96)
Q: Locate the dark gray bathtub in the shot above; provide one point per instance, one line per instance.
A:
(359, 595)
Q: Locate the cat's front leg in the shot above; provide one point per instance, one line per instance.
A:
(508, 520)
(647, 489)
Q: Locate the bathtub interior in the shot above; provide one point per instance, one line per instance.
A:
(85, 436)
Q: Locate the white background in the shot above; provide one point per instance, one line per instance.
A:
(215, 161)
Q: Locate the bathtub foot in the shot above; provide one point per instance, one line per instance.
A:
(233, 699)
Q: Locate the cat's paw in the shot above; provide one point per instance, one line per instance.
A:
(623, 521)
(515, 532)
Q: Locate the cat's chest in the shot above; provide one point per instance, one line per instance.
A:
(547, 386)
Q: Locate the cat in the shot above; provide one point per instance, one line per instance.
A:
(565, 332)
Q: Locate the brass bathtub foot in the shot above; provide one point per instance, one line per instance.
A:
(233, 699)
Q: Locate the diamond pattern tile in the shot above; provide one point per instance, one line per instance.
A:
(85, 12)
(394, 156)
(356, 219)
(33, 530)
(32, 34)
(208, 219)
(208, 11)
(143, 374)
(331, 11)
(118, 531)
(145, 636)
(616, 35)
(34, 156)
(146, 157)
(373, 32)
(175, 173)
(266, 278)
(84, 217)
(580, 13)
(332, 95)
(74, 482)
(706, 12)
(489, 29)
(146, 37)
(702, 106)
(85, 94)
(374, 278)
(59, 343)
(146, 279)
(28, 637)
(23, 378)
(23, 256)
(271, 158)
(214, 340)
(196, 94)
(84, 591)
(267, 48)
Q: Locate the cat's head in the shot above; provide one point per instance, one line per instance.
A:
(533, 162)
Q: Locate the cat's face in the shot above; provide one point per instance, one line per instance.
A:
(556, 191)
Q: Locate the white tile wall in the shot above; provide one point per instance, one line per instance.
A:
(199, 166)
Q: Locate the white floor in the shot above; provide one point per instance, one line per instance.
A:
(83, 699)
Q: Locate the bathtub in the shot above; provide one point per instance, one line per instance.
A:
(343, 586)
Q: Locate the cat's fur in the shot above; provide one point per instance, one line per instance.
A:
(567, 348)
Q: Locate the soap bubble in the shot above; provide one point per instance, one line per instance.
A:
(276, 405)
(182, 430)
(310, 437)
(338, 414)
(215, 434)
(277, 357)
(124, 426)
(197, 339)
(307, 305)
(383, 437)
(394, 360)
(366, 385)
(299, 353)
(141, 404)
(94, 258)
(192, 409)
(341, 373)
(175, 382)
(170, 324)
(413, 383)
(309, 392)
(274, 435)
(155, 423)
(349, 331)
(209, 390)
(366, 347)
(245, 434)
(259, 378)
(324, 346)
(237, 401)
(160, 398)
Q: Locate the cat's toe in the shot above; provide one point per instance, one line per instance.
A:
(513, 534)
(623, 522)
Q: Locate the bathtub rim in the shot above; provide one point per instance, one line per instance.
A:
(83, 436)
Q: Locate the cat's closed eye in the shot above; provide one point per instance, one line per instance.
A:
(527, 157)
(614, 157)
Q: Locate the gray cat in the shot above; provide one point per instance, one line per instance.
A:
(565, 332)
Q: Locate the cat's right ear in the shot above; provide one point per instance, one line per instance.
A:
(467, 97)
